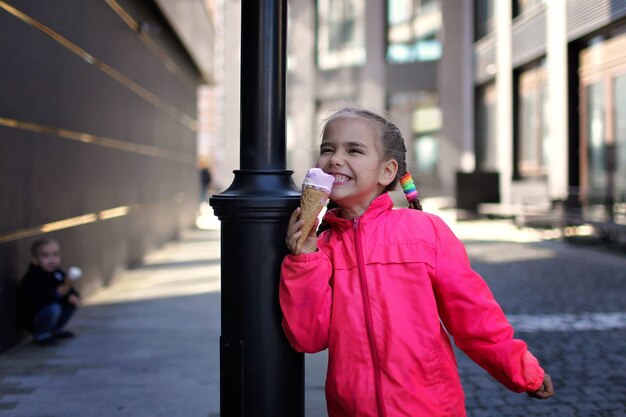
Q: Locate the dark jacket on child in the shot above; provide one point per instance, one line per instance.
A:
(37, 289)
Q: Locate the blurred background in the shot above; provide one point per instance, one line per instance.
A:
(111, 109)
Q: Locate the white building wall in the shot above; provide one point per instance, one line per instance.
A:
(229, 160)
(504, 98)
(302, 138)
(372, 89)
(455, 94)
(556, 65)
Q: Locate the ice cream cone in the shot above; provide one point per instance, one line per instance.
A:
(312, 202)
(316, 189)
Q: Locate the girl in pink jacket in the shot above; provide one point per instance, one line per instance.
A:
(384, 289)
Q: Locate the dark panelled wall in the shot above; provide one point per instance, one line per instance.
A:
(130, 182)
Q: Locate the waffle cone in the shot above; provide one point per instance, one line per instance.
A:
(311, 202)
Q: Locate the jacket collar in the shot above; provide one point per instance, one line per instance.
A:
(378, 206)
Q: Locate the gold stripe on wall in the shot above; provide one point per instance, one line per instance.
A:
(107, 69)
(156, 49)
(126, 17)
(49, 227)
(89, 218)
(114, 212)
(67, 223)
(99, 140)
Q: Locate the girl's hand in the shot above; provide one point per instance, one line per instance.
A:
(545, 391)
(294, 232)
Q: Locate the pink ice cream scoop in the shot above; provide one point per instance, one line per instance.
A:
(316, 189)
(318, 179)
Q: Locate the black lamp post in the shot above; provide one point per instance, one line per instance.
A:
(260, 374)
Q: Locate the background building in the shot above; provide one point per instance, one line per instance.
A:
(98, 132)
(390, 57)
(339, 54)
(550, 90)
(518, 103)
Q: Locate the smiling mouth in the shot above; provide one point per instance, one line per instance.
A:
(341, 179)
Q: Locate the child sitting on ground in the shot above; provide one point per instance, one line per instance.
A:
(46, 297)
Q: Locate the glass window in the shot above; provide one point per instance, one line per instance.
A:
(484, 21)
(595, 132)
(426, 154)
(426, 127)
(418, 116)
(485, 126)
(414, 28)
(602, 74)
(532, 122)
(340, 33)
(522, 6)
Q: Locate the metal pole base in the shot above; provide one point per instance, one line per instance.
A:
(257, 364)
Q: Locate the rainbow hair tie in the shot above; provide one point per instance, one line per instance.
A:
(409, 187)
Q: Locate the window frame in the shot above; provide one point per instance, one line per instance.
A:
(411, 23)
(326, 58)
(530, 81)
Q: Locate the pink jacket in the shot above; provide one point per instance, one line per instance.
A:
(382, 293)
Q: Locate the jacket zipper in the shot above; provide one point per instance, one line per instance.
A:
(368, 319)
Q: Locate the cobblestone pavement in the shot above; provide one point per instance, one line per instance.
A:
(148, 344)
(569, 305)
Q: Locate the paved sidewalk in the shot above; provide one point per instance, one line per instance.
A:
(148, 344)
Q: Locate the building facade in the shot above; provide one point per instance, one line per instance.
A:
(549, 86)
(410, 60)
(98, 138)
(514, 102)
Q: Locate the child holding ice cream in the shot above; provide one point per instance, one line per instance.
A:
(385, 289)
(47, 298)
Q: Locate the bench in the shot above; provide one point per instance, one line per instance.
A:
(531, 206)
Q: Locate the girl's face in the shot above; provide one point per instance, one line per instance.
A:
(48, 257)
(351, 152)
